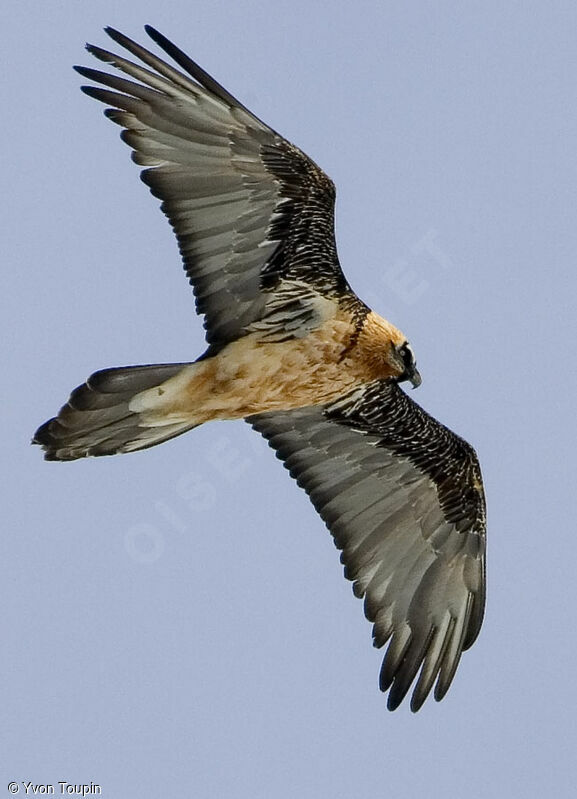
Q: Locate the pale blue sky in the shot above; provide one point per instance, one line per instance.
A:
(175, 621)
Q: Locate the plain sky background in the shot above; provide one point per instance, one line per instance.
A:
(175, 622)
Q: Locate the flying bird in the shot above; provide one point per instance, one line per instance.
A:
(294, 352)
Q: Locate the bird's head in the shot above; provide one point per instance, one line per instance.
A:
(386, 349)
(404, 357)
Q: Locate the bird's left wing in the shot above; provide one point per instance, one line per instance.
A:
(251, 211)
(403, 498)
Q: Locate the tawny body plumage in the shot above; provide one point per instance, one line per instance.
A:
(253, 375)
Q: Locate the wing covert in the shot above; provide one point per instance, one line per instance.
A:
(402, 496)
(249, 209)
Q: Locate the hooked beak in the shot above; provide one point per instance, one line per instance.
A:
(414, 376)
(405, 358)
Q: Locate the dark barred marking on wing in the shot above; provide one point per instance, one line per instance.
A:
(304, 223)
(291, 312)
(405, 428)
(248, 208)
(402, 496)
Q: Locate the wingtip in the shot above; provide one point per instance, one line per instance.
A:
(444, 683)
(80, 69)
(393, 702)
(113, 33)
(154, 34)
(418, 700)
(164, 43)
(99, 53)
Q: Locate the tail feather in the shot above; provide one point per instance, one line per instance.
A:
(97, 419)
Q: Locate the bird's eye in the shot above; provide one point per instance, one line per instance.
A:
(406, 354)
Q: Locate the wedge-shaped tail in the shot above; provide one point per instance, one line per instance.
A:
(97, 419)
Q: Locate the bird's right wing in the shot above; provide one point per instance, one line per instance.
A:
(403, 498)
(250, 210)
